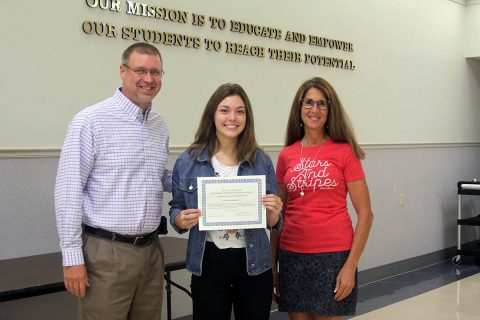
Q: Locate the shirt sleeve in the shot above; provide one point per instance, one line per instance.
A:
(281, 168)
(167, 180)
(353, 167)
(75, 165)
(271, 181)
(167, 176)
(177, 204)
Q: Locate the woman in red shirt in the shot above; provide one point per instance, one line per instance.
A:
(318, 250)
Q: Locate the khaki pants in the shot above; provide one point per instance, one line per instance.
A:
(126, 281)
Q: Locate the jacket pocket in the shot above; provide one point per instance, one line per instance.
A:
(188, 185)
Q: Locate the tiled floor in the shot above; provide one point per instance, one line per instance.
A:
(458, 300)
(440, 291)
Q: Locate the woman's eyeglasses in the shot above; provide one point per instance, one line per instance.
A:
(309, 104)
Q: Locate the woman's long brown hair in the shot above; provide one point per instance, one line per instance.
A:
(338, 126)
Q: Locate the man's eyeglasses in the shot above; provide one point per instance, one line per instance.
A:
(309, 104)
(156, 73)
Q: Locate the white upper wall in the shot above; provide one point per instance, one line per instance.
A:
(472, 45)
(412, 83)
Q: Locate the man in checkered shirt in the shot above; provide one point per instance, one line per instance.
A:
(109, 193)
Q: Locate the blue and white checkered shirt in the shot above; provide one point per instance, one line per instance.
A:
(111, 173)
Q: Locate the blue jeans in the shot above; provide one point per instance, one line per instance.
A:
(224, 282)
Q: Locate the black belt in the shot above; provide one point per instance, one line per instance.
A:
(135, 240)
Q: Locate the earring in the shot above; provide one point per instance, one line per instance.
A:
(301, 124)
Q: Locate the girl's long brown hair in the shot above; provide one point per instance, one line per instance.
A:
(206, 137)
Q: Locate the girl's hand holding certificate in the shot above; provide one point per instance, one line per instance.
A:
(187, 219)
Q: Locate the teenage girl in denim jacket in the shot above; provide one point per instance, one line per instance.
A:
(229, 267)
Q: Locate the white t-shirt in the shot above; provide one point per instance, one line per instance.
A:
(223, 239)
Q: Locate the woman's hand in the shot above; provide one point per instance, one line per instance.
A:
(273, 204)
(187, 219)
(276, 285)
(345, 282)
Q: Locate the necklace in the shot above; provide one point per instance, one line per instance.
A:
(302, 193)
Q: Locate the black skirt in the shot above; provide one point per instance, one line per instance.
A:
(307, 282)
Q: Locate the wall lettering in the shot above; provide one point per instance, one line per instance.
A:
(298, 39)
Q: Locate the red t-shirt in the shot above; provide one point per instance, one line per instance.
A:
(319, 221)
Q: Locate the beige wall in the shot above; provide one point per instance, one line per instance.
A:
(411, 84)
(472, 44)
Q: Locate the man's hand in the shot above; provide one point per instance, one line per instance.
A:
(76, 280)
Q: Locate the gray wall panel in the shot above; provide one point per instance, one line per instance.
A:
(425, 223)
(27, 213)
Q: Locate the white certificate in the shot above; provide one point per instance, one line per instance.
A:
(231, 202)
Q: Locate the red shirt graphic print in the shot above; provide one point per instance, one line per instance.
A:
(317, 221)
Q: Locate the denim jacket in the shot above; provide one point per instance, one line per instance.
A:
(184, 192)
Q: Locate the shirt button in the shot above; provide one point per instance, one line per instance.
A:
(252, 265)
(251, 245)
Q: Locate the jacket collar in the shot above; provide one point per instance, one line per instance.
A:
(204, 156)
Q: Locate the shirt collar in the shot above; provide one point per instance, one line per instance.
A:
(132, 110)
(204, 157)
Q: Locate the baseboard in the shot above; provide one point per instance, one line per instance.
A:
(403, 266)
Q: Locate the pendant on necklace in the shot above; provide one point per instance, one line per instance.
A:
(302, 193)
